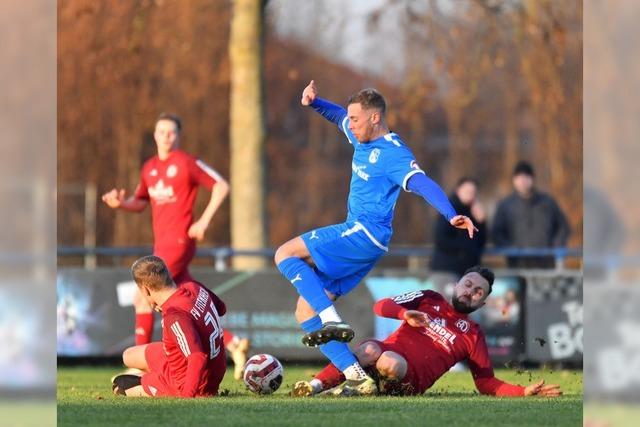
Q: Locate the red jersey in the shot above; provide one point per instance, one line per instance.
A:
(450, 338)
(171, 185)
(194, 360)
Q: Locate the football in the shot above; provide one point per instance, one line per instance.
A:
(263, 374)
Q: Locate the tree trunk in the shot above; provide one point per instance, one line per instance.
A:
(247, 131)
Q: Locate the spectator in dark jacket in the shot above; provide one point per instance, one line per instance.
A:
(529, 219)
(455, 252)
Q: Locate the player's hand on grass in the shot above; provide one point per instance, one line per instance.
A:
(465, 223)
(416, 318)
(539, 389)
(197, 230)
(309, 93)
(114, 198)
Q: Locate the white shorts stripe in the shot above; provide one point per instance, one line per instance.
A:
(359, 227)
(373, 239)
(182, 340)
(209, 170)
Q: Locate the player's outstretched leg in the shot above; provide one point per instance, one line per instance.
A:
(291, 259)
(367, 353)
(358, 382)
(329, 377)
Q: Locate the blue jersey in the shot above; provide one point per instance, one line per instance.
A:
(380, 169)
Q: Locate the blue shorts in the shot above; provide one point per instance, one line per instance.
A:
(343, 254)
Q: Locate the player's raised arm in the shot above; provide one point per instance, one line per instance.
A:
(309, 93)
(403, 307)
(115, 199)
(421, 184)
(330, 111)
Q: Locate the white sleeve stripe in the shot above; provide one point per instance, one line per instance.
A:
(405, 181)
(182, 340)
(389, 137)
(409, 296)
(345, 130)
(209, 170)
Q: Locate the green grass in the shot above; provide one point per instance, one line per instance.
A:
(85, 399)
(28, 413)
(612, 414)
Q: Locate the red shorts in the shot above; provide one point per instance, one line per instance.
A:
(155, 383)
(177, 255)
(409, 385)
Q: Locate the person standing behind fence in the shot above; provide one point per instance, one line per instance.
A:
(454, 252)
(170, 182)
(528, 218)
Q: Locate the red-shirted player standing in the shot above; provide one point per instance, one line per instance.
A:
(191, 360)
(434, 336)
(170, 182)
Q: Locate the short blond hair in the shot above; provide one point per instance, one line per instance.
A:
(151, 271)
(369, 99)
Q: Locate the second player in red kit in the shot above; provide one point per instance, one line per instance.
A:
(190, 361)
(169, 182)
(434, 336)
(171, 186)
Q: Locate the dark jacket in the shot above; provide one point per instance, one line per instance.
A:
(536, 222)
(454, 250)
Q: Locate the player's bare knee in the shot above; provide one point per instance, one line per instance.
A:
(282, 253)
(127, 357)
(367, 353)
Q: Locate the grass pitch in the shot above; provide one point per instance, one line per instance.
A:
(85, 399)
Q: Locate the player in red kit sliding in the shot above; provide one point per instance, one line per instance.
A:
(170, 182)
(190, 361)
(434, 336)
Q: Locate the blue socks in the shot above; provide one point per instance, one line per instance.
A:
(310, 288)
(337, 352)
(306, 282)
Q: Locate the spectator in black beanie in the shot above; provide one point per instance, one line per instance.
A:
(528, 218)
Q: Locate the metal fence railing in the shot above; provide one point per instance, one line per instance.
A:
(221, 255)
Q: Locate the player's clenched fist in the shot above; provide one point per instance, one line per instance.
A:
(113, 198)
(197, 230)
(416, 318)
(309, 93)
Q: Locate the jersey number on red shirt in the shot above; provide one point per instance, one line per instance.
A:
(211, 317)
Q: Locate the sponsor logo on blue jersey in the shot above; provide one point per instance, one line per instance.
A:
(359, 170)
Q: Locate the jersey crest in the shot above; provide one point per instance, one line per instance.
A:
(375, 154)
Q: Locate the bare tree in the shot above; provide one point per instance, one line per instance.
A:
(247, 131)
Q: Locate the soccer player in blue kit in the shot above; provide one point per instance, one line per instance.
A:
(329, 262)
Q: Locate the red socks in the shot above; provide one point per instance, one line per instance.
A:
(228, 337)
(144, 328)
(330, 376)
